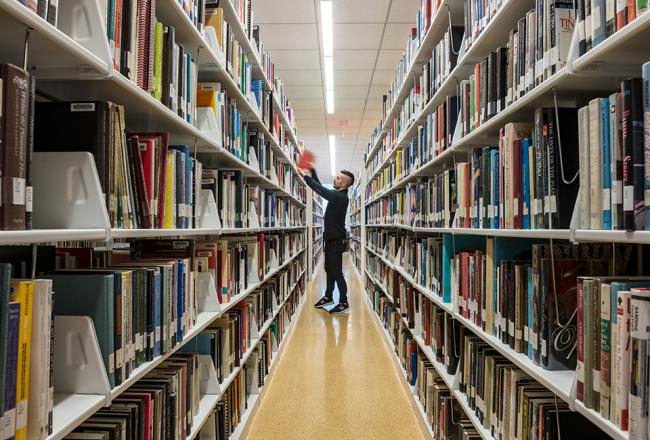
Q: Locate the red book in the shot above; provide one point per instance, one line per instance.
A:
(306, 160)
(631, 11)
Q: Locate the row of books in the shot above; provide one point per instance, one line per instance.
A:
(163, 404)
(434, 135)
(26, 356)
(612, 159)
(242, 205)
(235, 400)
(536, 50)
(598, 20)
(491, 387)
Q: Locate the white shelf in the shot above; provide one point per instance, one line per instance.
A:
(143, 233)
(608, 427)
(206, 406)
(634, 237)
(50, 50)
(51, 235)
(70, 410)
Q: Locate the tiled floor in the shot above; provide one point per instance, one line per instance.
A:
(335, 379)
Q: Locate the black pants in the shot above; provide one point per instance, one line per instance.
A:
(334, 269)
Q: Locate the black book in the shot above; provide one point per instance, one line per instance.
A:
(632, 150)
(483, 86)
(168, 97)
(563, 166)
(501, 78)
(491, 85)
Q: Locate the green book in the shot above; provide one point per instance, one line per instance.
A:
(158, 62)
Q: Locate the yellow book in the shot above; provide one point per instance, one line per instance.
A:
(214, 18)
(206, 96)
(22, 291)
(170, 191)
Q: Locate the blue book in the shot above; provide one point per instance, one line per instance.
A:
(645, 74)
(525, 183)
(414, 368)
(494, 165)
(92, 295)
(529, 327)
(11, 365)
(605, 164)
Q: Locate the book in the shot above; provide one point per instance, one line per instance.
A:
(23, 293)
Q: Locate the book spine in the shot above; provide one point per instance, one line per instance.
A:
(639, 338)
(13, 337)
(613, 140)
(585, 188)
(580, 367)
(24, 294)
(605, 165)
(638, 153)
(605, 349)
(595, 164)
(628, 151)
(623, 358)
(621, 14)
(646, 141)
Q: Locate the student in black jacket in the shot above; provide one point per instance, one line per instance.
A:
(334, 235)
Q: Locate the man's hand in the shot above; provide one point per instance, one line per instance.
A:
(302, 172)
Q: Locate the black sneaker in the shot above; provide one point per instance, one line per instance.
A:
(340, 308)
(324, 302)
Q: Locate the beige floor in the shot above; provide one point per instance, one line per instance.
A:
(335, 380)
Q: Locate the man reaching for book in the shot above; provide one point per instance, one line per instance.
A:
(334, 234)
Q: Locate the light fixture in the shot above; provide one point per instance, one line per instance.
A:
(327, 30)
(333, 154)
(330, 101)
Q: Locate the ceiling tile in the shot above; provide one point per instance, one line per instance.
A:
(354, 59)
(382, 77)
(351, 92)
(310, 114)
(309, 124)
(364, 11)
(352, 77)
(295, 59)
(350, 104)
(403, 11)
(283, 11)
(345, 114)
(305, 92)
(307, 104)
(374, 104)
(376, 92)
(300, 77)
(396, 36)
(357, 36)
(284, 36)
(388, 59)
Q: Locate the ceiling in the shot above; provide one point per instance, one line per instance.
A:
(369, 40)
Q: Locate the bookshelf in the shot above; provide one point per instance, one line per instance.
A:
(596, 73)
(73, 61)
(316, 231)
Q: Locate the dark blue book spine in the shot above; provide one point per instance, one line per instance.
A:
(606, 164)
(157, 313)
(180, 303)
(525, 183)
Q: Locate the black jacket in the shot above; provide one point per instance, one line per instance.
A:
(337, 208)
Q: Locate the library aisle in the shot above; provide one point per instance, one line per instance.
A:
(335, 379)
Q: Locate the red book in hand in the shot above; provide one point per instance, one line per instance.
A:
(306, 160)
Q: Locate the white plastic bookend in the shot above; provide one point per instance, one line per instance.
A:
(206, 121)
(274, 177)
(287, 182)
(575, 220)
(209, 216)
(82, 21)
(208, 383)
(67, 192)
(274, 343)
(398, 257)
(78, 363)
(206, 293)
(253, 219)
(253, 265)
(252, 159)
(210, 37)
(254, 328)
(273, 259)
(252, 100)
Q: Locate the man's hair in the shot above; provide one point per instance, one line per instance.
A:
(350, 175)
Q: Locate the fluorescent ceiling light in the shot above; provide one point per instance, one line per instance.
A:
(329, 73)
(327, 24)
(333, 154)
(330, 101)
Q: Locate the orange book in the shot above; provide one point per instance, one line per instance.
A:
(306, 160)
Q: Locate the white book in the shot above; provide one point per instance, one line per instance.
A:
(639, 344)
(595, 172)
(583, 151)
